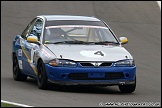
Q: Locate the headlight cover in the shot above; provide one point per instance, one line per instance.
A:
(128, 62)
(62, 63)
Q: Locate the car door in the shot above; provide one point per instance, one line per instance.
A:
(25, 57)
(30, 48)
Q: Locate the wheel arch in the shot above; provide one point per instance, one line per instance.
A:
(13, 53)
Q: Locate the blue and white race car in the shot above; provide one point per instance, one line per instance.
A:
(72, 50)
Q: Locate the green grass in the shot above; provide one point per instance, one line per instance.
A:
(8, 105)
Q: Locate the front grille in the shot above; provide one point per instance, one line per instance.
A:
(95, 64)
(86, 64)
(84, 76)
(106, 64)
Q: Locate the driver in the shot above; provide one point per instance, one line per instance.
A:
(56, 33)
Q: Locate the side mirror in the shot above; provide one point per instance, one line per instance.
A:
(33, 39)
(123, 40)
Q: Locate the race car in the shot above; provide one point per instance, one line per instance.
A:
(72, 50)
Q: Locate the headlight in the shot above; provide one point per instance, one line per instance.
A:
(125, 63)
(62, 63)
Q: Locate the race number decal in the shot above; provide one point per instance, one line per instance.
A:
(19, 52)
(93, 53)
(99, 53)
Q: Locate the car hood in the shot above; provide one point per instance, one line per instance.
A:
(90, 52)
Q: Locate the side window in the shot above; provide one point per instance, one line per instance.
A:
(37, 29)
(28, 29)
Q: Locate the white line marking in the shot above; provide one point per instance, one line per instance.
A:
(159, 3)
(13, 103)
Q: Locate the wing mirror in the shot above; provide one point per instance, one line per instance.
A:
(33, 39)
(123, 40)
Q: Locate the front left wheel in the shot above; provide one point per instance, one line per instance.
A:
(42, 76)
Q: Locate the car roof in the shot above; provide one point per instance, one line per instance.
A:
(68, 17)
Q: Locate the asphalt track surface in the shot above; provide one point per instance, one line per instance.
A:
(139, 21)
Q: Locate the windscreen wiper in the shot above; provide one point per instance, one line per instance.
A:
(68, 42)
(61, 42)
(82, 42)
(106, 42)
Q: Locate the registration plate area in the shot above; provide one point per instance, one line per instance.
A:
(96, 75)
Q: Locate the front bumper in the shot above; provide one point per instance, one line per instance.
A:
(91, 76)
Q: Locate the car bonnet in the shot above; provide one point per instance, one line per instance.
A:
(90, 52)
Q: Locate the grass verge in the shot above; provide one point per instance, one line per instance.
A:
(8, 105)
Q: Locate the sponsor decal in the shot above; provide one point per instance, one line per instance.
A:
(20, 64)
(76, 26)
(45, 53)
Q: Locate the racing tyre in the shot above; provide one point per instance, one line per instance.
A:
(128, 88)
(17, 75)
(42, 76)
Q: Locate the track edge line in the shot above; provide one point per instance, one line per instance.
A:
(18, 104)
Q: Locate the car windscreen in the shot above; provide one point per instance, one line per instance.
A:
(79, 34)
(77, 30)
